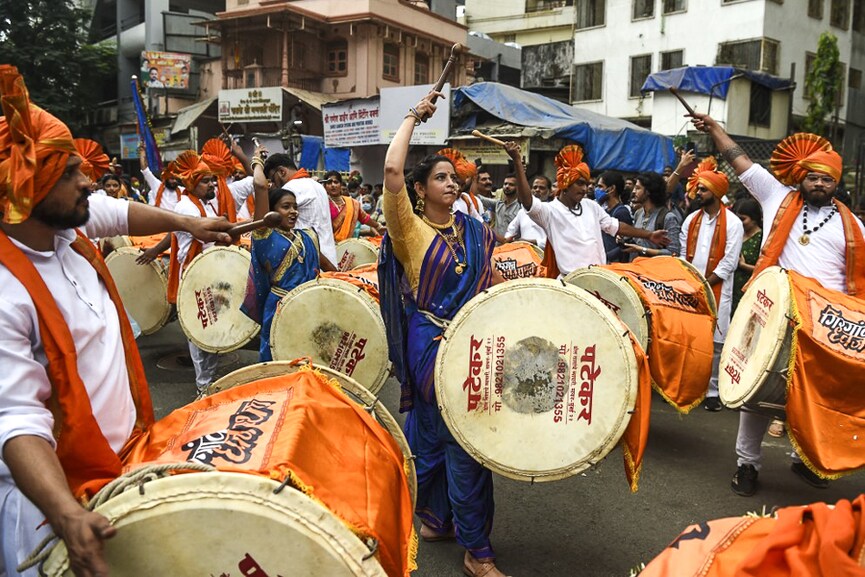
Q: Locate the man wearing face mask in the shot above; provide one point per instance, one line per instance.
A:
(712, 241)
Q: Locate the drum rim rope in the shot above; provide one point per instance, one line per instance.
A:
(336, 284)
(627, 409)
(161, 273)
(247, 336)
(361, 395)
(765, 369)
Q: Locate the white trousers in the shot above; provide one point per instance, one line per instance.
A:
(716, 363)
(22, 528)
(205, 366)
(749, 440)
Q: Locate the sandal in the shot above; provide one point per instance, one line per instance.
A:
(430, 535)
(483, 569)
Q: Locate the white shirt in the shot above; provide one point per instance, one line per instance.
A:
(825, 257)
(92, 319)
(727, 265)
(313, 209)
(460, 205)
(187, 208)
(576, 240)
(169, 198)
(524, 228)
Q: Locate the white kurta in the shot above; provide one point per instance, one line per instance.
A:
(313, 209)
(522, 227)
(169, 197)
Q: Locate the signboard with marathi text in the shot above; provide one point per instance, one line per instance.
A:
(489, 153)
(351, 123)
(251, 105)
(395, 104)
(165, 70)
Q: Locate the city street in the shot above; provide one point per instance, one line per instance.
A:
(589, 524)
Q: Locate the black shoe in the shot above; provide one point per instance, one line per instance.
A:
(808, 475)
(744, 482)
(713, 404)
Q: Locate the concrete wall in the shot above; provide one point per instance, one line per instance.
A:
(505, 18)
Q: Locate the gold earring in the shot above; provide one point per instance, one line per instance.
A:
(419, 205)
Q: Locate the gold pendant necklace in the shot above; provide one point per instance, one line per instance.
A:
(454, 237)
(804, 240)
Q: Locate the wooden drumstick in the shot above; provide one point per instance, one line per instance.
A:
(270, 220)
(687, 106)
(483, 136)
(443, 77)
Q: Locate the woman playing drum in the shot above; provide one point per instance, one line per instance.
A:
(432, 262)
(345, 211)
(282, 257)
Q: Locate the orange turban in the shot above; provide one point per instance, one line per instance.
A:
(170, 171)
(570, 167)
(801, 153)
(34, 149)
(94, 162)
(218, 157)
(191, 168)
(465, 169)
(708, 175)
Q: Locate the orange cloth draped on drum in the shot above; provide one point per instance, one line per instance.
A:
(549, 260)
(790, 208)
(716, 249)
(343, 224)
(812, 541)
(636, 434)
(196, 247)
(301, 427)
(34, 149)
(516, 260)
(85, 455)
(682, 326)
(825, 392)
(365, 277)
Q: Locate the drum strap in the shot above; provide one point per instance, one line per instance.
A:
(437, 321)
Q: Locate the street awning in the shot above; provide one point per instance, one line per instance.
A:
(710, 80)
(314, 99)
(186, 116)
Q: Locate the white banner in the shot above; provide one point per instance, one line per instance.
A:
(250, 105)
(395, 103)
(351, 123)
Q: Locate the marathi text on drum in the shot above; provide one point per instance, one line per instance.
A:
(842, 334)
(668, 293)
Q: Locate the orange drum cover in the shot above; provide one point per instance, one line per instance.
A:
(301, 428)
(519, 259)
(374, 240)
(365, 277)
(146, 242)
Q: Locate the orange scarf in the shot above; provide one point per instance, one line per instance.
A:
(85, 455)
(158, 201)
(716, 251)
(195, 249)
(226, 206)
(345, 221)
(783, 226)
(549, 261)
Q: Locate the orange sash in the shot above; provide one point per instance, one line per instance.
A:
(825, 396)
(716, 251)
(195, 249)
(549, 261)
(226, 206)
(159, 193)
(783, 226)
(344, 223)
(85, 455)
(302, 428)
(681, 327)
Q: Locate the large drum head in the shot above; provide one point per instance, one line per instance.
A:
(211, 291)
(355, 391)
(618, 295)
(707, 288)
(163, 523)
(354, 252)
(535, 379)
(756, 337)
(338, 325)
(142, 288)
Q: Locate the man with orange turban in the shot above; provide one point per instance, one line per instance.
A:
(72, 386)
(809, 232)
(711, 239)
(572, 223)
(165, 191)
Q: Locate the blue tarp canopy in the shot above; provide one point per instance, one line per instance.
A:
(610, 143)
(709, 80)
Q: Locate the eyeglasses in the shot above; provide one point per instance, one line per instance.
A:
(813, 178)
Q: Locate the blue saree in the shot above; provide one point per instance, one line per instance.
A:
(278, 265)
(453, 488)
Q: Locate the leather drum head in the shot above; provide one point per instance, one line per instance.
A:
(143, 288)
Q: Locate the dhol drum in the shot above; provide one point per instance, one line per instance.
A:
(142, 288)
(536, 363)
(109, 244)
(365, 277)
(354, 252)
(756, 356)
(145, 242)
(169, 526)
(519, 260)
(337, 325)
(354, 390)
(211, 290)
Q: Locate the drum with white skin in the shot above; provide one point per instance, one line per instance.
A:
(211, 290)
(536, 380)
(143, 288)
(355, 252)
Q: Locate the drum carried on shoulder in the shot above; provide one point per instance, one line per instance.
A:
(514, 374)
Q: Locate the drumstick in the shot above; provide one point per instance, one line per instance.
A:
(443, 77)
(483, 136)
(270, 220)
(687, 106)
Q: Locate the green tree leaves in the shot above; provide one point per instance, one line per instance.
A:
(823, 84)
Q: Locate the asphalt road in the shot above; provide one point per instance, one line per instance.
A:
(589, 524)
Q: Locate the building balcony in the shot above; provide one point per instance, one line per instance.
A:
(262, 76)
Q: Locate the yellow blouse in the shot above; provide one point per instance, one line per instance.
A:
(410, 235)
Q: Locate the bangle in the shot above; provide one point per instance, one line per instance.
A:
(412, 111)
(676, 172)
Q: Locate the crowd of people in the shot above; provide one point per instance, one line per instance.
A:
(441, 221)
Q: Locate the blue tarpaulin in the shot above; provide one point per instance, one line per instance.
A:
(337, 159)
(610, 143)
(334, 158)
(709, 80)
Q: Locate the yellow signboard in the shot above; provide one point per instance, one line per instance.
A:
(489, 153)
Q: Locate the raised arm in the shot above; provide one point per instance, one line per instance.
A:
(524, 191)
(685, 160)
(259, 183)
(394, 160)
(728, 148)
(237, 151)
(145, 220)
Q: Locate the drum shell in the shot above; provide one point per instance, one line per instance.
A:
(143, 288)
